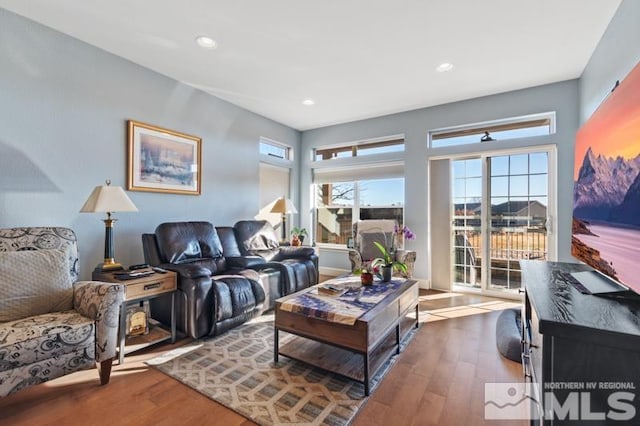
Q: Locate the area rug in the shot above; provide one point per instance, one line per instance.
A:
(237, 370)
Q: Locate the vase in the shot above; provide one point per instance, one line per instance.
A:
(366, 278)
(295, 241)
(386, 273)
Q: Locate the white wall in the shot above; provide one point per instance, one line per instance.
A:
(560, 97)
(63, 111)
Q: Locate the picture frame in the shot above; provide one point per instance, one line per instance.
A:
(163, 160)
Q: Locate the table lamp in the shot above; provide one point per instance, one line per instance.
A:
(284, 206)
(109, 199)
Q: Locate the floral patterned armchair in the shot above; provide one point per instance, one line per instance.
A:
(384, 231)
(51, 324)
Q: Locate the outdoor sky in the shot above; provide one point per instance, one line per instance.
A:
(614, 129)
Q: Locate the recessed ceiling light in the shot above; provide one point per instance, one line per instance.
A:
(206, 42)
(445, 66)
(308, 102)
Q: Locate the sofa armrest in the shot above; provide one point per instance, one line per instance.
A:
(294, 252)
(187, 270)
(101, 302)
(244, 262)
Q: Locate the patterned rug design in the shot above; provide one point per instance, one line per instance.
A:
(237, 370)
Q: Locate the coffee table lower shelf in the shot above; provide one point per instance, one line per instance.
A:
(344, 362)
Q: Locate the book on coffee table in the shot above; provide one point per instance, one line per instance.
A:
(332, 290)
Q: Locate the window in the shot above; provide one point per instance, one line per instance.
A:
(367, 183)
(358, 149)
(274, 183)
(275, 178)
(340, 204)
(334, 212)
(513, 128)
(274, 149)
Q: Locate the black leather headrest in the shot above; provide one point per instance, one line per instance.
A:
(255, 235)
(182, 242)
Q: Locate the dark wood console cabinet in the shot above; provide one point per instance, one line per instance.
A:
(574, 341)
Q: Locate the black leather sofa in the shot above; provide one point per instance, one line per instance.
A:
(226, 275)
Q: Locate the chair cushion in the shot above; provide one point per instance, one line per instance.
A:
(368, 250)
(34, 282)
(41, 337)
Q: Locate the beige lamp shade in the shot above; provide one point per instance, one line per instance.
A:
(107, 198)
(284, 206)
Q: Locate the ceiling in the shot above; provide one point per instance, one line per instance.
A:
(355, 58)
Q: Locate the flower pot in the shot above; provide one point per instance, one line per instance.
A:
(386, 273)
(295, 241)
(366, 278)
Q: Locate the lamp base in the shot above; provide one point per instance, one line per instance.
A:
(109, 265)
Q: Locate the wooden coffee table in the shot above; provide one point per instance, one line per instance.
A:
(374, 337)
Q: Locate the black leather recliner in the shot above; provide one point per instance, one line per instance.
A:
(212, 298)
(226, 275)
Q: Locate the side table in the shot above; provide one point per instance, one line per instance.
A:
(143, 289)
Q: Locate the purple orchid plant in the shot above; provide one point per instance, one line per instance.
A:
(404, 231)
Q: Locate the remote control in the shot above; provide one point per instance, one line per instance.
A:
(159, 270)
(138, 266)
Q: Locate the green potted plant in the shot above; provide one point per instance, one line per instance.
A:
(387, 263)
(297, 235)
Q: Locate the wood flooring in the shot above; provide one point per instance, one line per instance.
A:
(438, 380)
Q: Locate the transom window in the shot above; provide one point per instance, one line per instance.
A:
(359, 149)
(274, 149)
(512, 128)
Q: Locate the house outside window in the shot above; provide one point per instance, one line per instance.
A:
(340, 204)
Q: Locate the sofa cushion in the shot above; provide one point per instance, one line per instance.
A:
(34, 282)
(41, 337)
(184, 242)
(256, 237)
(236, 295)
(228, 239)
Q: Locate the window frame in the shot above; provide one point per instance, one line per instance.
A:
(511, 123)
(355, 208)
(391, 140)
(274, 159)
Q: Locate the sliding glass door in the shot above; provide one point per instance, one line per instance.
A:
(500, 214)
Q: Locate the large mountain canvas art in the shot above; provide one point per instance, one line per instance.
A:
(606, 214)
